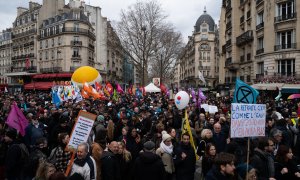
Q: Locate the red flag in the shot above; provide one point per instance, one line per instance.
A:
(27, 63)
(16, 119)
(98, 86)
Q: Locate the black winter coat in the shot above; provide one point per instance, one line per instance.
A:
(214, 174)
(185, 168)
(110, 169)
(148, 166)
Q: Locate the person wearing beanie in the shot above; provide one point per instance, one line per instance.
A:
(165, 151)
(62, 127)
(148, 165)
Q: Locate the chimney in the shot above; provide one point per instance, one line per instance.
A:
(21, 10)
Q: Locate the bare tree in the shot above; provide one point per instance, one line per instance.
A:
(140, 30)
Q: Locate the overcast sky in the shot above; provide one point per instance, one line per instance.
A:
(183, 14)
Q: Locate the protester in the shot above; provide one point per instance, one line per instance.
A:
(185, 159)
(148, 165)
(110, 167)
(125, 161)
(165, 151)
(208, 159)
(84, 164)
(44, 171)
(223, 167)
(59, 156)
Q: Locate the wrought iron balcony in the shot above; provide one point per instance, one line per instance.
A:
(73, 68)
(76, 43)
(285, 17)
(259, 51)
(51, 69)
(242, 19)
(245, 38)
(258, 2)
(277, 78)
(285, 46)
(228, 43)
(259, 26)
(230, 65)
(228, 25)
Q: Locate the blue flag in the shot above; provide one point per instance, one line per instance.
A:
(55, 99)
(244, 93)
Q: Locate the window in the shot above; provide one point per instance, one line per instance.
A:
(46, 55)
(76, 38)
(53, 43)
(260, 68)
(285, 39)
(48, 32)
(41, 44)
(204, 37)
(42, 33)
(204, 46)
(283, 9)
(76, 16)
(286, 67)
(75, 52)
(52, 54)
(260, 43)
(46, 44)
(204, 27)
(59, 40)
(41, 55)
(76, 27)
(61, 28)
(260, 18)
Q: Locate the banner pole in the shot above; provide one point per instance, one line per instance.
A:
(70, 164)
(248, 153)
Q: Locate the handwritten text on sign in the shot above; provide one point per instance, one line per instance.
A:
(247, 120)
(81, 131)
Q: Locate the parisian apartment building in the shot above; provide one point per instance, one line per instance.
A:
(259, 43)
(54, 43)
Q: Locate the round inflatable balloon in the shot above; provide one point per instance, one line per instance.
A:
(182, 99)
(86, 74)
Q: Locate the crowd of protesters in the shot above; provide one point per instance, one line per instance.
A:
(141, 139)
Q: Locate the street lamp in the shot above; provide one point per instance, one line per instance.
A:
(143, 61)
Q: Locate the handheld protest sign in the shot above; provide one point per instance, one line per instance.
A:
(81, 130)
(80, 133)
(182, 99)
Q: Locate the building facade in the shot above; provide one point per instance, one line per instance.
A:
(259, 42)
(200, 55)
(5, 57)
(66, 42)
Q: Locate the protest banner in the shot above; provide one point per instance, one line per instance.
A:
(81, 129)
(247, 120)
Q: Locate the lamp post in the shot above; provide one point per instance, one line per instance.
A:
(143, 61)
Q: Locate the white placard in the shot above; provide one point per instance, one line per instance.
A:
(247, 120)
(81, 130)
(205, 107)
(212, 109)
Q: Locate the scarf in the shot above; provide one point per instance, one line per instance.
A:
(166, 149)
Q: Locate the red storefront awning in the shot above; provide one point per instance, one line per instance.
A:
(56, 75)
(39, 85)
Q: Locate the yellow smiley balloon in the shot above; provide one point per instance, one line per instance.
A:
(86, 74)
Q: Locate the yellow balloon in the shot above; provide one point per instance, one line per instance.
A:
(86, 74)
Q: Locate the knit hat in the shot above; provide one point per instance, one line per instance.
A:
(165, 136)
(242, 170)
(11, 133)
(100, 118)
(149, 146)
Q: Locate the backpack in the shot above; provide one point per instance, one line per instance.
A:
(52, 157)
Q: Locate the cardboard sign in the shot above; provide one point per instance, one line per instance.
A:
(205, 107)
(81, 129)
(212, 109)
(247, 120)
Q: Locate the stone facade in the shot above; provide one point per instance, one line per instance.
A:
(258, 41)
(199, 55)
(5, 55)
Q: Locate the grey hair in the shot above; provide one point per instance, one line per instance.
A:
(276, 132)
(85, 145)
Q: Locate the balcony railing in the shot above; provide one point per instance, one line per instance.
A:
(52, 69)
(258, 2)
(76, 43)
(245, 38)
(242, 58)
(285, 46)
(31, 31)
(31, 69)
(242, 19)
(228, 43)
(259, 26)
(22, 57)
(76, 57)
(292, 78)
(259, 51)
(71, 30)
(228, 25)
(285, 17)
(248, 14)
(228, 8)
(228, 61)
(73, 68)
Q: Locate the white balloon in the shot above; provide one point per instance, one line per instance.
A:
(182, 99)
